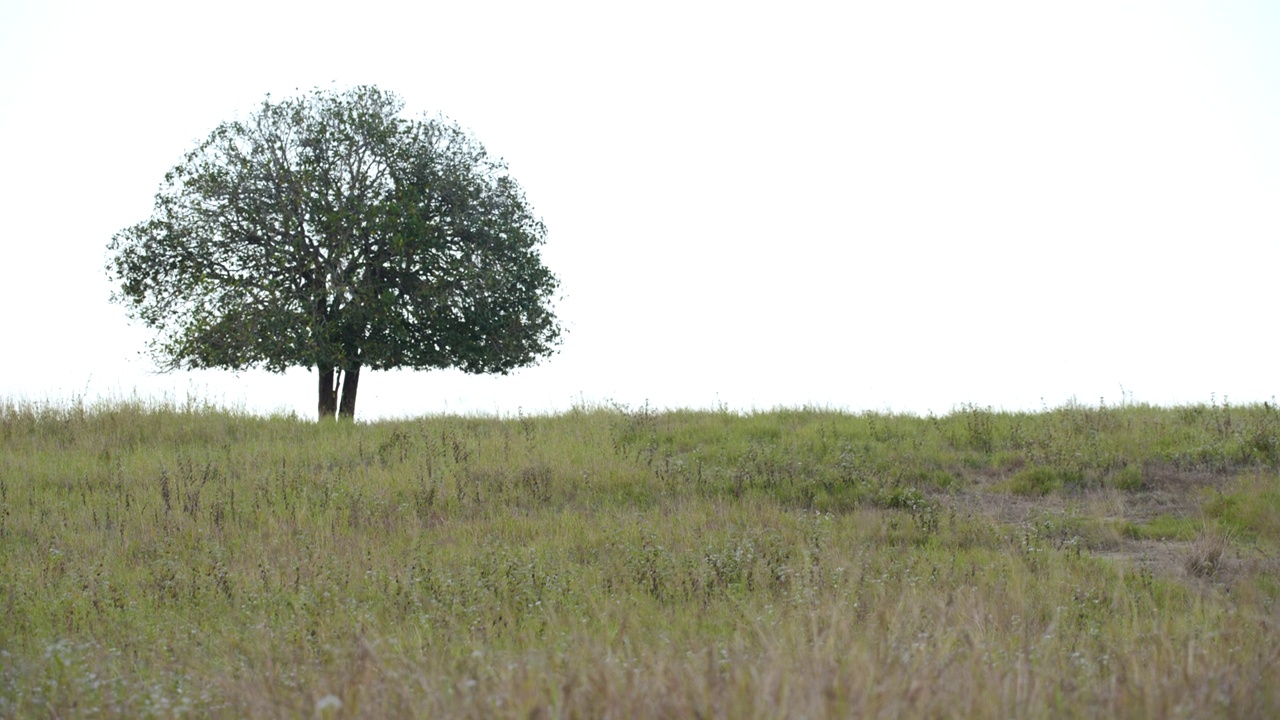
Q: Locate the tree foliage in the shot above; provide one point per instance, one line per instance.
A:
(327, 231)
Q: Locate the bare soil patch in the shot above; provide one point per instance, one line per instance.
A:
(1166, 490)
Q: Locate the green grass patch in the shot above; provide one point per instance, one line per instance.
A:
(1165, 527)
(1081, 530)
(1128, 478)
(1248, 509)
(1041, 480)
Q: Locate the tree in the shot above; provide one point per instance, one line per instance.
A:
(327, 231)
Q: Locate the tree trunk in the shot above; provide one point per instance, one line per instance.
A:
(349, 387)
(329, 393)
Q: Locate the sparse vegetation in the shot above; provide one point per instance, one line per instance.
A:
(158, 561)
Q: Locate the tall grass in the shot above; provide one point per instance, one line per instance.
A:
(160, 560)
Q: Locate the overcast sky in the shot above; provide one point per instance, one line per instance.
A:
(904, 206)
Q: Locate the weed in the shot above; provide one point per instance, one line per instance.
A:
(1206, 555)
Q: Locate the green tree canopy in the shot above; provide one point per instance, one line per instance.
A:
(327, 231)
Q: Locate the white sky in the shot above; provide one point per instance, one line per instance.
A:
(903, 205)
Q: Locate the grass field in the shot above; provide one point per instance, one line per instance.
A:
(614, 562)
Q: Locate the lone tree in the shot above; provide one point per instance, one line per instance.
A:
(327, 231)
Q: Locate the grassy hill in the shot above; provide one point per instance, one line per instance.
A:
(622, 562)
